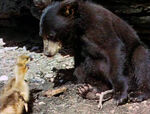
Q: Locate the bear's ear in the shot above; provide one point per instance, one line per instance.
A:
(69, 9)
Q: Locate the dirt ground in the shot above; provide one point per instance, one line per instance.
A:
(55, 72)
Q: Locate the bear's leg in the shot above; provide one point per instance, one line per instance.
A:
(84, 69)
(141, 64)
(120, 87)
(91, 67)
(80, 74)
(117, 79)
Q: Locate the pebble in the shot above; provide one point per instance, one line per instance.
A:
(144, 102)
(38, 80)
(64, 65)
(40, 73)
(41, 103)
(130, 107)
(61, 81)
(112, 111)
(136, 107)
(48, 76)
(52, 79)
(3, 78)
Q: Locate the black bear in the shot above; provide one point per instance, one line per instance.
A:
(104, 45)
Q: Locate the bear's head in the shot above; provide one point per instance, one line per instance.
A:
(60, 25)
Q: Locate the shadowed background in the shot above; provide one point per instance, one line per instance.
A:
(19, 19)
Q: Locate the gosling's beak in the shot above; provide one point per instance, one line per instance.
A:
(31, 58)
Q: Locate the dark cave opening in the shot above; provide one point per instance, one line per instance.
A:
(21, 30)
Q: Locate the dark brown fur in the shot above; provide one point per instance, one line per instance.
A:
(104, 45)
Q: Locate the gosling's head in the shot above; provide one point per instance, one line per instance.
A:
(23, 59)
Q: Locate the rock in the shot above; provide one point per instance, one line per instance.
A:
(130, 107)
(3, 78)
(34, 48)
(24, 48)
(52, 79)
(112, 111)
(49, 76)
(37, 80)
(1, 42)
(41, 103)
(61, 81)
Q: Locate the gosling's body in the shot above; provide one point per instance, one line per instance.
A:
(15, 94)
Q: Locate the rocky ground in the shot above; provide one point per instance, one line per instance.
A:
(55, 72)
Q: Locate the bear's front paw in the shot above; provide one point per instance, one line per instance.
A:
(120, 99)
(88, 92)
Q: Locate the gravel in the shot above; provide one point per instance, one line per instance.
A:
(48, 73)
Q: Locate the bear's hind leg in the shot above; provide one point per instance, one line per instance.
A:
(116, 77)
(141, 62)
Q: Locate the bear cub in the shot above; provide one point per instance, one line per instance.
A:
(104, 45)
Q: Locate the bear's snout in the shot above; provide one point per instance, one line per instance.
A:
(50, 47)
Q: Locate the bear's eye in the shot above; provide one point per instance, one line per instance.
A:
(51, 36)
(48, 37)
(67, 11)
